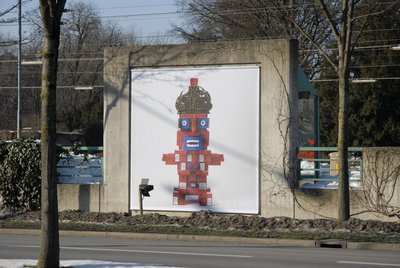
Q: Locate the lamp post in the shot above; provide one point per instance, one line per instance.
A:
(19, 69)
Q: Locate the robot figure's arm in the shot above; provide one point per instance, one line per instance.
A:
(169, 159)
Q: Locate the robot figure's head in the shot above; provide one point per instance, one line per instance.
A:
(193, 133)
(195, 101)
(193, 122)
(193, 107)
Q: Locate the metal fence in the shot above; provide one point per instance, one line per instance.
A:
(83, 165)
(318, 167)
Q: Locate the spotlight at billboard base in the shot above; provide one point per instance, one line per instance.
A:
(144, 189)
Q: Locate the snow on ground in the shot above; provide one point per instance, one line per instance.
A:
(80, 169)
(13, 263)
(87, 169)
(307, 169)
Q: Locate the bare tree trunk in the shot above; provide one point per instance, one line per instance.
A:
(343, 189)
(49, 256)
(344, 46)
(49, 250)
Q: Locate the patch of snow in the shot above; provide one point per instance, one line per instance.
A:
(331, 182)
(80, 169)
(16, 263)
(306, 168)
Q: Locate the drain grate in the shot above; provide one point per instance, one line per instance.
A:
(330, 244)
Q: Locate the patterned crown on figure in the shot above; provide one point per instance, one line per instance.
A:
(195, 101)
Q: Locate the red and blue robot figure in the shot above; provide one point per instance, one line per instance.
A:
(192, 158)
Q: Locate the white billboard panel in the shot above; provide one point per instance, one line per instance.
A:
(196, 158)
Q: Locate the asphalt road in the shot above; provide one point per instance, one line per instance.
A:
(197, 254)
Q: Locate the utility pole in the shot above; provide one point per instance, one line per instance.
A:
(19, 69)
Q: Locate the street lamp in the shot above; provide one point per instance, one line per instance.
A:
(360, 81)
(84, 88)
(32, 62)
(19, 69)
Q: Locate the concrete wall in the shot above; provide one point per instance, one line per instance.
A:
(381, 181)
(380, 193)
(279, 195)
(278, 110)
(85, 197)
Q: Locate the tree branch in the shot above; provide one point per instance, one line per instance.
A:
(306, 35)
(329, 19)
(377, 12)
(2, 13)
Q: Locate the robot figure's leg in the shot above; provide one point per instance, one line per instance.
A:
(181, 199)
(205, 199)
(202, 200)
(209, 199)
(178, 197)
(175, 198)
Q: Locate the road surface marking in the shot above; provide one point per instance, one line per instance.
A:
(369, 263)
(146, 251)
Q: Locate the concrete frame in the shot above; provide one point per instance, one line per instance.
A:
(278, 112)
(279, 194)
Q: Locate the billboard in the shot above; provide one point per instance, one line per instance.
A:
(195, 135)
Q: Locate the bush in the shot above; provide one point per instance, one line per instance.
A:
(20, 174)
(3, 150)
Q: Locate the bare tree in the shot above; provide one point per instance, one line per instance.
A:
(51, 13)
(343, 18)
(8, 94)
(330, 27)
(7, 11)
(82, 40)
(251, 19)
(81, 46)
(8, 63)
(381, 178)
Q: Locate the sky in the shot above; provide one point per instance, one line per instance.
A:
(148, 17)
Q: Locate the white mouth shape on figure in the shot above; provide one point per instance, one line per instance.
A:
(193, 143)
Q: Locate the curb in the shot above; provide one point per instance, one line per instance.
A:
(222, 239)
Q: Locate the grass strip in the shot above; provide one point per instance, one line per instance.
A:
(193, 230)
